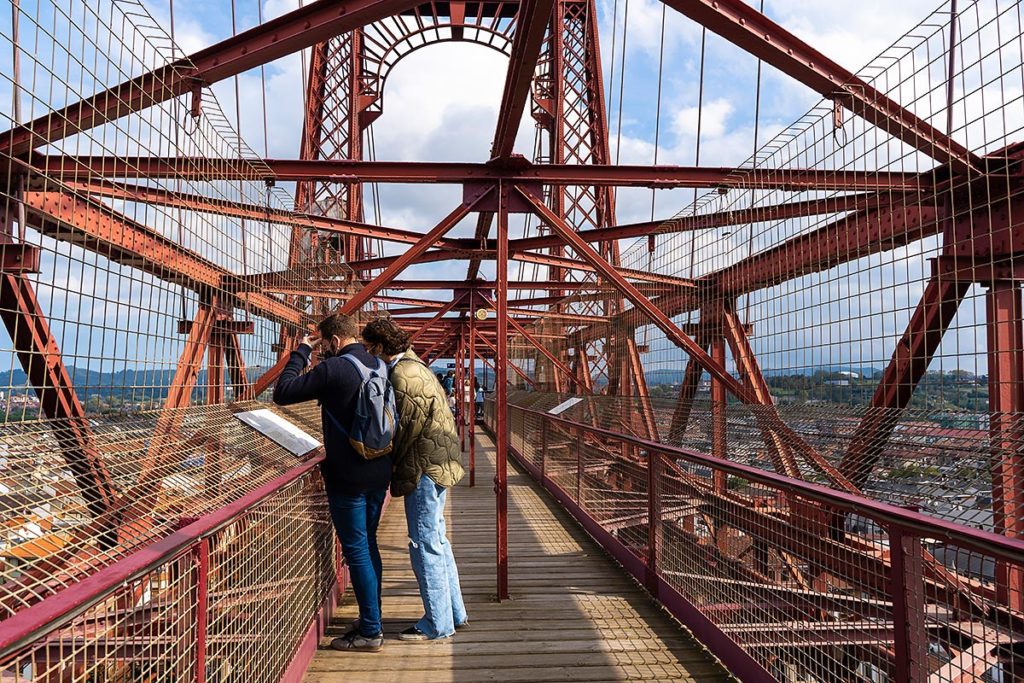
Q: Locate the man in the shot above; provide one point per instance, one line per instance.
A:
(427, 463)
(449, 382)
(356, 486)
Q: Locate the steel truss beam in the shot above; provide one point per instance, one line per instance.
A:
(81, 168)
(745, 27)
(41, 359)
(911, 358)
(297, 219)
(532, 20)
(113, 236)
(291, 32)
(360, 298)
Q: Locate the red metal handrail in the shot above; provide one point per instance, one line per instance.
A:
(179, 565)
(898, 597)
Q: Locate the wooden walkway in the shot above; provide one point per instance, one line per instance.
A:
(574, 614)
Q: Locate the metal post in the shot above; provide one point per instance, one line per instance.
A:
(202, 606)
(906, 590)
(653, 519)
(579, 467)
(501, 391)
(1006, 401)
(543, 450)
(718, 422)
(472, 374)
(459, 390)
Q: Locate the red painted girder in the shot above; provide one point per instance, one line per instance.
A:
(113, 236)
(774, 212)
(539, 285)
(636, 370)
(639, 301)
(567, 317)
(782, 442)
(291, 32)
(410, 255)
(235, 362)
(533, 340)
(1004, 316)
(532, 21)
(446, 308)
(179, 395)
(41, 359)
(348, 171)
(744, 26)
(363, 296)
(525, 257)
(299, 220)
(910, 360)
(838, 242)
(843, 240)
(492, 346)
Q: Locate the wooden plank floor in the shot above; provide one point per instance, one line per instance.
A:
(574, 614)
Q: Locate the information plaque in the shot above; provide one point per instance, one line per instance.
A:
(279, 430)
(564, 406)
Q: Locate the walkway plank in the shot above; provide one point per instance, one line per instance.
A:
(574, 616)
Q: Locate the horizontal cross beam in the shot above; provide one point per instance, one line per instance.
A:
(346, 171)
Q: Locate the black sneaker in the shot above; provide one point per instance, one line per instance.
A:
(353, 640)
(462, 627)
(412, 633)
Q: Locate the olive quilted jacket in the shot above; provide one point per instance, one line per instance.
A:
(425, 441)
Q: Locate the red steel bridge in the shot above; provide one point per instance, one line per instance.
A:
(791, 408)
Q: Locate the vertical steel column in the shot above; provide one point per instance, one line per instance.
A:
(501, 391)
(457, 389)
(653, 519)
(202, 556)
(906, 590)
(1006, 403)
(40, 357)
(719, 446)
(472, 374)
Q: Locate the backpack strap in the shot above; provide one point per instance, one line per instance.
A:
(364, 370)
(364, 375)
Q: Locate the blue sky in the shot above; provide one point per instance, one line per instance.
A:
(440, 103)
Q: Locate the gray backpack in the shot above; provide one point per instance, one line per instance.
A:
(373, 425)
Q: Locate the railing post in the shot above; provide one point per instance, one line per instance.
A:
(906, 589)
(202, 555)
(543, 448)
(579, 467)
(653, 519)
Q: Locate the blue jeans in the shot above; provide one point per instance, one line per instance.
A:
(433, 561)
(356, 518)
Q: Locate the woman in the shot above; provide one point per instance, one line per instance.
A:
(427, 463)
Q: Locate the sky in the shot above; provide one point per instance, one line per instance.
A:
(440, 104)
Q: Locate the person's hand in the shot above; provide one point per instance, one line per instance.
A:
(310, 340)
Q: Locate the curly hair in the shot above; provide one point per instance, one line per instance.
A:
(392, 339)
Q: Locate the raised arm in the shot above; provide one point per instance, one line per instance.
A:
(294, 387)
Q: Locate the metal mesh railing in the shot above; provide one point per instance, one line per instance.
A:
(230, 596)
(809, 583)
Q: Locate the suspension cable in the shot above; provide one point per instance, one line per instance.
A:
(757, 122)
(241, 183)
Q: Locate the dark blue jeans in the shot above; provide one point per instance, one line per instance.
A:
(355, 520)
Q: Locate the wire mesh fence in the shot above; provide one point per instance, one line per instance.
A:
(232, 600)
(812, 584)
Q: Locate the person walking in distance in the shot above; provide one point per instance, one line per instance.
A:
(358, 413)
(427, 463)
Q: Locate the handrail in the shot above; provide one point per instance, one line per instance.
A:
(28, 625)
(986, 542)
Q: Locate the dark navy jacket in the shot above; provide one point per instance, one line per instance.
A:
(335, 383)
